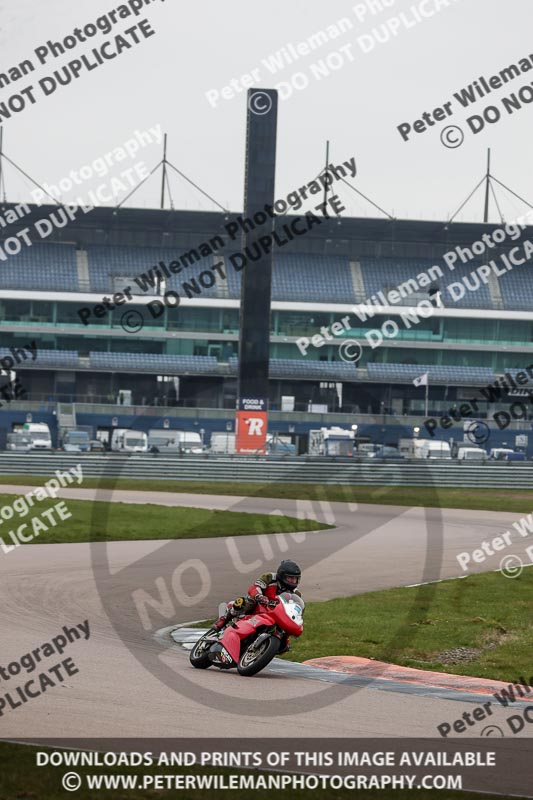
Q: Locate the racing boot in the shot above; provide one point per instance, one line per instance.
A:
(233, 611)
(222, 621)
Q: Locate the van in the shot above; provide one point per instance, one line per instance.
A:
(366, 449)
(124, 440)
(18, 442)
(406, 446)
(333, 441)
(174, 441)
(471, 454)
(38, 433)
(76, 442)
(425, 448)
(189, 442)
(500, 453)
(222, 442)
(162, 438)
(385, 451)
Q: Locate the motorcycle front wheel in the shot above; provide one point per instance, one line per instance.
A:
(253, 660)
(198, 655)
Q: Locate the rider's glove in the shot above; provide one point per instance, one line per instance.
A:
(262, 600)
(273, 603)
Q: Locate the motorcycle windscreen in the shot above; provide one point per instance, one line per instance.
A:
(294, 606)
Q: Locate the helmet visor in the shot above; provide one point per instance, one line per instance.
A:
(291, 580)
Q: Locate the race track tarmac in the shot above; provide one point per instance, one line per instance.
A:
(133, 681)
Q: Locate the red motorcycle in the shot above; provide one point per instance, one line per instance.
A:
(250, 642)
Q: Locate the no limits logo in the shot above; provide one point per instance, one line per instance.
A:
(178, 581)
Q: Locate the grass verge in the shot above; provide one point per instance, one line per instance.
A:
(20, 779)
(481, 625)
(102, 522)
(520, 500)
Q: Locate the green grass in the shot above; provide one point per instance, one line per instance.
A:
(101, 522)
(416, 626)
(520, 500)
(21, 779)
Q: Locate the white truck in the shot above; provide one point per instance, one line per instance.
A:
(222, 442)
(167, 440)
(331, 442)
(162, 438)
(471, 454)
(39, 433)
(425, 448)
(189, 442)
(500, 453)
(124, 440)
(18, 442)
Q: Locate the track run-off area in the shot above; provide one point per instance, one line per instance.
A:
(114, 690)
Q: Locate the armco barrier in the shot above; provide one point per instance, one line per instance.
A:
(268, 470)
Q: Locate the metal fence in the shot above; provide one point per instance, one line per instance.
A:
(273, 469)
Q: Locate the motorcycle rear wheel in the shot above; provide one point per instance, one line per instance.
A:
(199, 654)
(251, 662)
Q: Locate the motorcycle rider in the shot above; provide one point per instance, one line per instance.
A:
(263, 591)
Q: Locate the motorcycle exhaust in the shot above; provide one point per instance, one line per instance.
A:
(219, 656)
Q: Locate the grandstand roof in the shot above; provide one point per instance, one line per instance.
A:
(176, 228)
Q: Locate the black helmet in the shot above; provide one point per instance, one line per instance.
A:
(288, 575)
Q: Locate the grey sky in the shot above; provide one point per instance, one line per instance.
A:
(202, 46)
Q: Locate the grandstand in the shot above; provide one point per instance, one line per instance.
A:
(187, 357)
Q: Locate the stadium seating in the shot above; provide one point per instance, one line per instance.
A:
(384, 274)
(514, 372)
(42, 267)
(516, 288)
(310, 370)
(295, 277)
(47, 358)
(107, 262)
(308, 278)
(303, 278)
(439, 373)
(150, 362)
(317, 370)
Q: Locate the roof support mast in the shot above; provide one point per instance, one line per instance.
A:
(326, 183)
(487, 189)
(164, 176)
